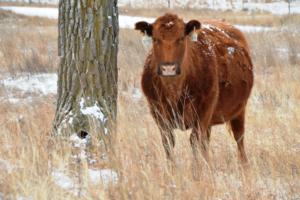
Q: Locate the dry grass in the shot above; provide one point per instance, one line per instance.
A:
(29, 155)
(27, 44)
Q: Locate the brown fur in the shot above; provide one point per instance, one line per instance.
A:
(214, 84)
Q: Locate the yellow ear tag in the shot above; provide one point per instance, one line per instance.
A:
(147, 41)
(194, 36)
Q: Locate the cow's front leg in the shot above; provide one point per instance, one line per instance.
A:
(199, 140)
(168, 141)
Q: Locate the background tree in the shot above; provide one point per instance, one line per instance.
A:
(87, 76)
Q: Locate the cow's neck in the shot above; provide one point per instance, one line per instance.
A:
(175, 86)
(172, 87)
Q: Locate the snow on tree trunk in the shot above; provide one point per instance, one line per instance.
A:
(87, 76)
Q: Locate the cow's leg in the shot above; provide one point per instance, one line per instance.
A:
(168, 141)
(199, 140)
(238, 129)
(208, 134)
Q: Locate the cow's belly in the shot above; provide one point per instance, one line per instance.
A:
(232, 100)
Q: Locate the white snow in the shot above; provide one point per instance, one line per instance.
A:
(230, 50)
(64, 181)
(42, 83)
(10, 98)
(129, 21)
(253, 29)
(96, 176)
(51, 13)
(92, 110)
(124, 21)
(78, 142)
(277, 8)
(6, 166)
(136, 94)
(104, 176)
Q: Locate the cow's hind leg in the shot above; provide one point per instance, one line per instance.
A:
(238, 129)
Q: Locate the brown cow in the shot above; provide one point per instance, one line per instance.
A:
(196, 84)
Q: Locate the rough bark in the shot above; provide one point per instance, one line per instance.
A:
(87, 76)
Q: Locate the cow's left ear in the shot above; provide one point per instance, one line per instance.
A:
(192, 25)
(144, 27)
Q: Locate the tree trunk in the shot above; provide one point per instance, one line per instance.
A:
(87, 76)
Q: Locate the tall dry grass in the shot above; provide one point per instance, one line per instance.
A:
(27, 44)
(29, 155)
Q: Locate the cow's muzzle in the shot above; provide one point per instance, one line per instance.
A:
(168, 69)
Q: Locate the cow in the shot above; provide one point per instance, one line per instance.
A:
(196, 83)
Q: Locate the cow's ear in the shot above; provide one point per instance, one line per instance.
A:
(192, 25)
(144, 27)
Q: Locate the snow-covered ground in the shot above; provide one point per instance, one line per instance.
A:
(278, 8)
(124, 21)
(40, 83)
(20, 88)
(96, 176)
(51, 13)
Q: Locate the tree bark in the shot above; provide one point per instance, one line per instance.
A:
(88, 75)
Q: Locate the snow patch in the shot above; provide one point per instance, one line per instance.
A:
(170, 24)
(129, 21)
(277, 8)
(6, 166)
(42, 83)
(230, 50)
(92, 110)
(64, 181)
(15, 100)
(79, 142)
(104, 176)
(136, 94)
(96, 176)
(51, 13)
(253, 29)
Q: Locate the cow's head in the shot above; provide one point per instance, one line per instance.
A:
(169, 34)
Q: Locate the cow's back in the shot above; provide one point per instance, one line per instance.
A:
(234, 67)
(229, 30)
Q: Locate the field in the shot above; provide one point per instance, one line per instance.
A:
(34, 165)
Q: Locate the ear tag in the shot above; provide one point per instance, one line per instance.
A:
(194, 36)
(147, 41)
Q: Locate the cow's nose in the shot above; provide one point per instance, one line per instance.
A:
(168, 70)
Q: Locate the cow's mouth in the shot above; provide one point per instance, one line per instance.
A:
(168, 69)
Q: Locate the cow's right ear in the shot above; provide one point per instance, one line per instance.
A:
(191, 26)
(144, 27)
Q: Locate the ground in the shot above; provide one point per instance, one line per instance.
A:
(34, 165)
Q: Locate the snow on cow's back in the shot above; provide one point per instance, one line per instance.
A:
(224, 31)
